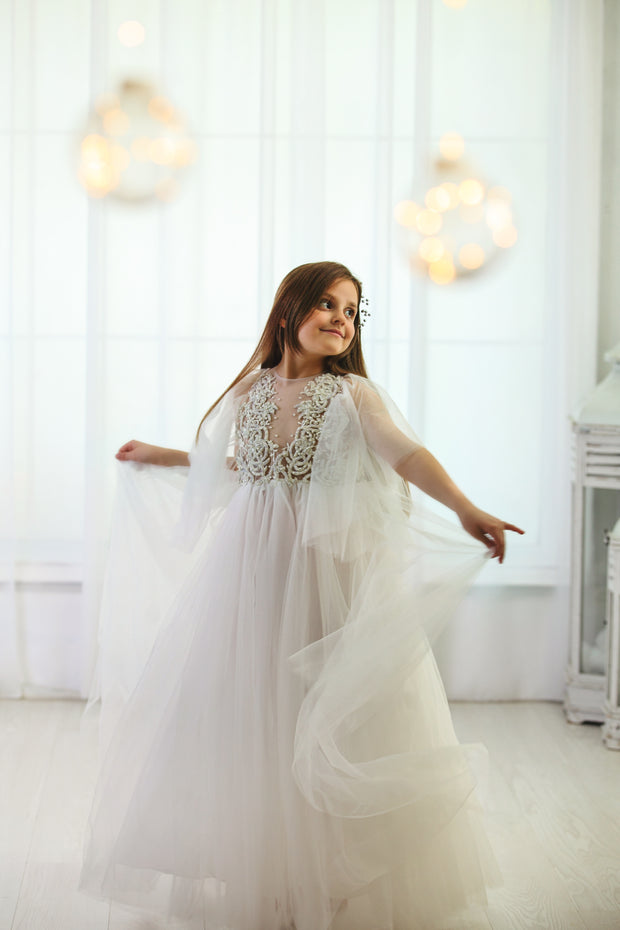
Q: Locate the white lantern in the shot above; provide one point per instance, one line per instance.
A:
(595, 510)
(611, 726)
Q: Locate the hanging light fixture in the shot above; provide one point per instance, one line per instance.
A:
(459, 222)
(135, 147)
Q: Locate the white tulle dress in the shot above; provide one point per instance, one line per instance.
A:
(279, 751)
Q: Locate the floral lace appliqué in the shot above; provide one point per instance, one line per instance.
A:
(260, 460)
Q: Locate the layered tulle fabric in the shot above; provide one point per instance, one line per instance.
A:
(279, 748)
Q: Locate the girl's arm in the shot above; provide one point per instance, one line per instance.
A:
(135, 451)
(413, 462)
(422, 469)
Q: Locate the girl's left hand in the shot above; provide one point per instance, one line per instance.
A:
(487, 529)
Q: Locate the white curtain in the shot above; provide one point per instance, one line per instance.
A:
(311, 119)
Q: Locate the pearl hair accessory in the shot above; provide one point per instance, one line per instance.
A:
(364, 312)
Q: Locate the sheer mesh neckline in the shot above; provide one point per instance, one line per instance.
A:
(305, 378)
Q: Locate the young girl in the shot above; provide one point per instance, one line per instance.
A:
(286, 758)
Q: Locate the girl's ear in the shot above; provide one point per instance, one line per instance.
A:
(282, 322)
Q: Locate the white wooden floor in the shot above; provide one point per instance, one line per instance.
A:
(553, 816)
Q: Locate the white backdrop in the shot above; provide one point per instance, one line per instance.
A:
(310, 118)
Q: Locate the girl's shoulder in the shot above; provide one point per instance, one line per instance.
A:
(360, 386)
(356, 386)
(243, 386)
(371, 399)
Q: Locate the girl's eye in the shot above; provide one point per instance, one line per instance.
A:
(326, 302)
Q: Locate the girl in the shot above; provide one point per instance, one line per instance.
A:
(286, 758)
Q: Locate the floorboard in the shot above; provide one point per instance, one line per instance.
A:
(558, 848)
(552, 803)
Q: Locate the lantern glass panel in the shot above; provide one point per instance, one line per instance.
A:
(601, 510)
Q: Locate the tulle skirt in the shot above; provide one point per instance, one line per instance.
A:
(269, 773)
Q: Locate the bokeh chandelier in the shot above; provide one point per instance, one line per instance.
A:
(460, 223)
(135, 147)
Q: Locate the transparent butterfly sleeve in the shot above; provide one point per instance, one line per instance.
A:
(412, 568)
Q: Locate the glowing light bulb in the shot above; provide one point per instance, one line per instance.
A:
(437, 199)
(93, 145)
(431, 249)
(471, 191)
(451, 146)
(498, 214)
(131, 33)
(406, 212)
(161, 151)
(428, 222)
(471, 256)
(97, 171)
(442, 271)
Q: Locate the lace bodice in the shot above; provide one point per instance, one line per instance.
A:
(268, 415)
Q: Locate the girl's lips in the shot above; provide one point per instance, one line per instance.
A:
(334, 332)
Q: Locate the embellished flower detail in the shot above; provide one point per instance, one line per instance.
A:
(259, 459)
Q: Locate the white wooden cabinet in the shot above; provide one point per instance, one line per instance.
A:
(595, 512)
(611, 708)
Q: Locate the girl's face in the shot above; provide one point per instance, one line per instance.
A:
(330, 327)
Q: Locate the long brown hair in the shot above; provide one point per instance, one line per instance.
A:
(296, 298)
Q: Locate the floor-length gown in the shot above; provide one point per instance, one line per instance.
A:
(286, 757)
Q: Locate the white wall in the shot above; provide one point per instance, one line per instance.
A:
(51, 637)
(609, 306)
(515, 637)
(515, 641)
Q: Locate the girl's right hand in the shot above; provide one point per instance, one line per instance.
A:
(135, 451)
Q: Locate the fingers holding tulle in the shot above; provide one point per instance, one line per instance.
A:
(494, 539)
(129, 451)
(485, 538)
(501, 541)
